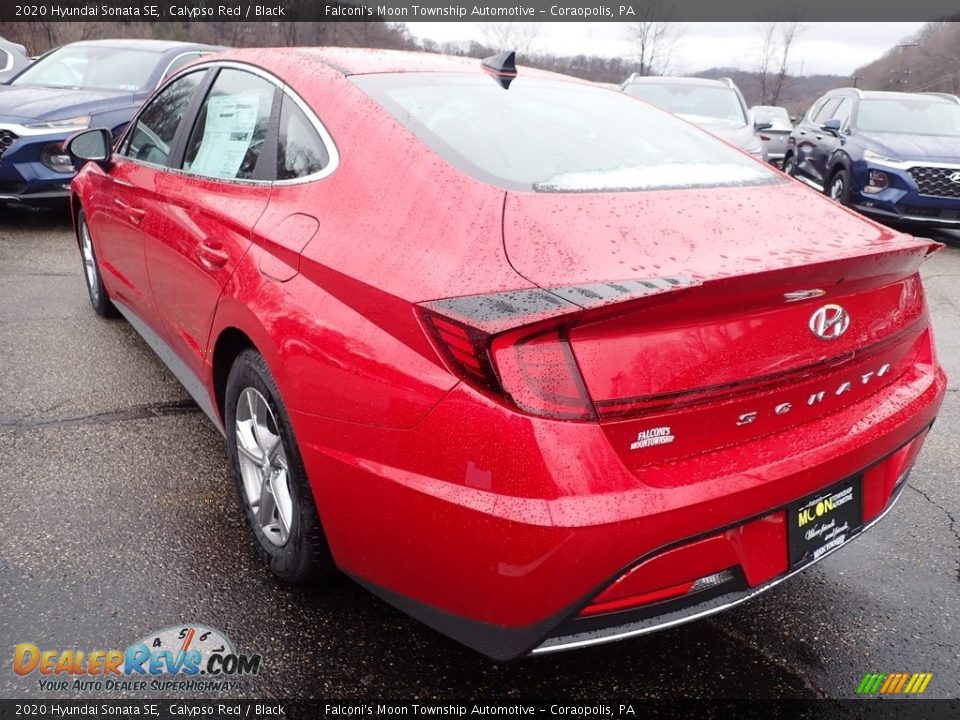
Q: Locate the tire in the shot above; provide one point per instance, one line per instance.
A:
(99, 299)
(839, 187)
(789, 166)
(272, 484)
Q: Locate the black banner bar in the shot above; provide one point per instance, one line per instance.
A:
(459, 11)
(899, 709)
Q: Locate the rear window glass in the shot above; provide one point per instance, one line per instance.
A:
(556, 136)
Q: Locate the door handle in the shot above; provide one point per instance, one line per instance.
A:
(212, 254)
(134, 214)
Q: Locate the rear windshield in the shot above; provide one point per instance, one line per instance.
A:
(556, 136)
(777, 115)
(701, 103)
(918, 116)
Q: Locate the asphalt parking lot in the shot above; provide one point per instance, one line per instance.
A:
(118, 517)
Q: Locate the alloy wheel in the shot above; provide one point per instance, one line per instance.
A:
(263, 467)
(836, 188)
(89, 262)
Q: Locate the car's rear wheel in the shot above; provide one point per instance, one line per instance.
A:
(839, 187)
(99, 298)
(270, 477)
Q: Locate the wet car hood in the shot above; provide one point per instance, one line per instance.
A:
(25, 103)
(903, 146)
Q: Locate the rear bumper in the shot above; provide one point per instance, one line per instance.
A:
(499, 536)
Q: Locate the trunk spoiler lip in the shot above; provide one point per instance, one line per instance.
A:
(499, 311)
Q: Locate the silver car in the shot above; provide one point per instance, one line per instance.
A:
(775, 137)
(715, 105)
(13, 59)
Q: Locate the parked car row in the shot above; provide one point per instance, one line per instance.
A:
(893, 156)
(540, 364)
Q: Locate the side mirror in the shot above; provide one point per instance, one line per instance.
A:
(90, 146)
(762, 122)
(831, 126)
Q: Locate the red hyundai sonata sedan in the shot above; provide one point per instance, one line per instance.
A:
(536, 362)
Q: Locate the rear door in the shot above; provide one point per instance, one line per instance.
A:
(810, 137)
(827, 142)
(211, 206)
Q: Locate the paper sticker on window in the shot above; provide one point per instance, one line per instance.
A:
(228, 132)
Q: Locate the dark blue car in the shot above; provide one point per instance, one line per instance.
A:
(98, 83)
(894, 156)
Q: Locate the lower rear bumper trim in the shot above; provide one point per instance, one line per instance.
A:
(694, 612)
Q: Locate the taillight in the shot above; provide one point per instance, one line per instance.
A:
(465, 349)
(539, 373)
(533, 367)
(515, 345)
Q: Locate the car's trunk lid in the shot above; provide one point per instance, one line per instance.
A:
(767, 272)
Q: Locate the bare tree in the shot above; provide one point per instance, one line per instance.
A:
(776, 43)
(654, 36)
(519, 36)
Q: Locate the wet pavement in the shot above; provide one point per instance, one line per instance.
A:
(118, 517)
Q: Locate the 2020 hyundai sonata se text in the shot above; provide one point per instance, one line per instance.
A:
(536, 378)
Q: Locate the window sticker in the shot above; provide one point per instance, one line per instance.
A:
(231, 120)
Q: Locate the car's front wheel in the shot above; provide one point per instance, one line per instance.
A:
(91, 270)
(270, 477)
(839, 187)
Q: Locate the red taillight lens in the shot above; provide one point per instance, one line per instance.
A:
(533, 366)
(538, 371)
(465, 349)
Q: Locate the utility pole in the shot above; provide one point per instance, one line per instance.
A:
(856, 78)
(903, 71)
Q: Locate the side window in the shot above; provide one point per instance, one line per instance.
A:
(300, 151)
(153, 135)
(6, 60)
(231, 127)
(825, 111)
(842, 113)
(179, 62)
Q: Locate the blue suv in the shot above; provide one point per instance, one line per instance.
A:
(894, 156)
(85, 84)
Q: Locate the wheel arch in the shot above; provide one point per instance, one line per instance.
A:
(839, 161)
(229, 344)
(75, 208)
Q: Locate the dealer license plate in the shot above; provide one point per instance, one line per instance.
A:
(823, 521)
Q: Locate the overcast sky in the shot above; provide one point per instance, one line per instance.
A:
(822, 47)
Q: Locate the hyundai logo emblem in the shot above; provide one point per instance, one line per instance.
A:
(829, 322)
(955, 177)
